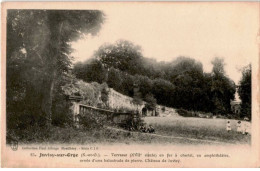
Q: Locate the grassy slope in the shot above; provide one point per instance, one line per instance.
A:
(107, 136)
(199, 128)
(58, 135)
(177, 131)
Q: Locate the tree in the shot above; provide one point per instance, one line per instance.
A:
(137, 95)
(115, 79)
(180, 83)
(122, 55)
(91, 71)
(186, 74)
(151, 102)
(163, 91)
(145, 85)
(128, 84)
(245, 92)
(182, 66)
(222, 88)
(38, 41)
(218, 66)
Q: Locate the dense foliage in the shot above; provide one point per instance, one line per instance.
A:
(39, 60)
(244, 91)
(180, 83)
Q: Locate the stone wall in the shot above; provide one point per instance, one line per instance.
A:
(91, 95)
(120, 102)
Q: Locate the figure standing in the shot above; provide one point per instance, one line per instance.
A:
(243, 127)
(246, 127)
(228, 126)
(239, 127)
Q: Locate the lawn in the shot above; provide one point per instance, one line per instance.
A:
(198, 128)
(58, 135)
(169, 130)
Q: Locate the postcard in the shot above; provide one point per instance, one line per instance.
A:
(130, 84)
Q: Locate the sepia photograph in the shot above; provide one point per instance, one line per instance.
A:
(127, 76)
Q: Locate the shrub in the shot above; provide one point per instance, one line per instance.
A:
(163, 108)
(32, 133)
(132, 123)
(61, 113)
(92, 120)
(221, 116)
(184, 113)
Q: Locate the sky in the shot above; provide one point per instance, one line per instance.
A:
(167, 30)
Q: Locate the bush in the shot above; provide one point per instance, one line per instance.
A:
(203, 115)
(185, 113)
(61, 113)
(221, 117)
(32, 133)
(132, 124)
(21, 120)
(163, 109)
(92, 120)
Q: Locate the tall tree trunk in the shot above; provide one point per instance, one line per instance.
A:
(47, 98)
(55, 27)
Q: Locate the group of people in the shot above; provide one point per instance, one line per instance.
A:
(241, 127)
(148, 129)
